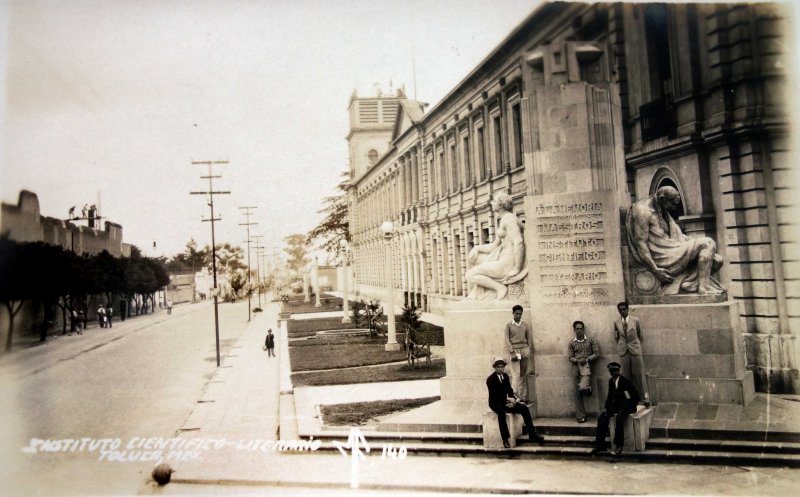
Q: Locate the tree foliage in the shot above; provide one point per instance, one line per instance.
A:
(297, 250)
(335, 225)
(192, 257)
(230, 258)
(50, 277)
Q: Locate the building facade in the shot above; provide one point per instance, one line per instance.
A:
(23, 222)
(644, 95)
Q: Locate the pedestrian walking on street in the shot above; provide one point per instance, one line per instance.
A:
(169, 307)
(83, 319)
(73, 321)
(101, 316)
(269, 343)
(109, 314)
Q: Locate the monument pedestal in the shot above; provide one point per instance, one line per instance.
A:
(474, 337)
(695, 353)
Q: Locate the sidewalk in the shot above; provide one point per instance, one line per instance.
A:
(252, 413)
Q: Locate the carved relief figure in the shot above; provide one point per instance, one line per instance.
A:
(500, 262)
(681, 263)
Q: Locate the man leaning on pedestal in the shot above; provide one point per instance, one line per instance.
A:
(621, 402)
(518, 344)
(582, 350)
(502, 400)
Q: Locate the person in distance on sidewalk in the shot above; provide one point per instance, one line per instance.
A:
(269, 343)
(502, 400)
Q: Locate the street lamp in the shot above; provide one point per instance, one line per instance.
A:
(387, 228)
(316, 281)
(345, 304)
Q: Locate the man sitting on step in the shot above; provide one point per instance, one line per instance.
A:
(621, 401)
(502, 400)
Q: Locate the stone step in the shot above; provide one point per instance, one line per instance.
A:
(697, 445)
(576, 441)
(552, 449)
(694, 433)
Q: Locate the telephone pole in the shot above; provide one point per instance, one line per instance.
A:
(211, 194)
(258, 247)
(248, 224)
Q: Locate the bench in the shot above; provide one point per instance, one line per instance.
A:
(416, 351)
(637, 429)
(491, 431)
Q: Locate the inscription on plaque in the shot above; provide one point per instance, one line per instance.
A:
(571, 253)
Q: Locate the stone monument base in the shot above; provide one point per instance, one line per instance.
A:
(695, 353)
(474, 337)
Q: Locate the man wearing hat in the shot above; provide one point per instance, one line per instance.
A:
(503, 400)
(621, 401)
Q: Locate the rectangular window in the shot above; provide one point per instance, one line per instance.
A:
(431, 179)
(498, 145)
(467, 162)
(482, 166)
(516, 117)
(443, 187)
(454, 168)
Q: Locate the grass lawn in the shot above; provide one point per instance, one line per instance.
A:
(340, 340)
(340, 355)
(328, 303)
(359, 413)
(321, 324)
(389, 372)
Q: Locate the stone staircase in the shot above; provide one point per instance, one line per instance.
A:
(566, 439)
(764, 433)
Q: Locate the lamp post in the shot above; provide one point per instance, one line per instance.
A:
(316, 281)
(345, 304)
(387, 228)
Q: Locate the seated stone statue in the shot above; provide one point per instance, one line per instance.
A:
(500, 262)
(681, 263)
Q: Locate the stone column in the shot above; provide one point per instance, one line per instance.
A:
(576, 191)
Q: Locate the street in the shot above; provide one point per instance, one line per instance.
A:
(140, 378)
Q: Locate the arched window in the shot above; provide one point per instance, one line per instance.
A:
(665, 177)
(372, 155)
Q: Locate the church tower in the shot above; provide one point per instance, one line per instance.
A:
(371, 126)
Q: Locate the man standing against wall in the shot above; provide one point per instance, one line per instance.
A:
(628, 335)
(582, 350)
(518, 345)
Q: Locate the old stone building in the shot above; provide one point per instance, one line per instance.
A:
(581, 99)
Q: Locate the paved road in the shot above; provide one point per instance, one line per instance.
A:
(140, 378)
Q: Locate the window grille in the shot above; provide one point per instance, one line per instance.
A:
(657, 118)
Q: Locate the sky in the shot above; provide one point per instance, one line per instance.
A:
(113, 100)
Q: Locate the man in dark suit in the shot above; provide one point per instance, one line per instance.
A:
(621, 401)
(502, 400)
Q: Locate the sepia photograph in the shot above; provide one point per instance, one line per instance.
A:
(399, 247)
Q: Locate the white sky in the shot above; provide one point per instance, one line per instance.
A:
(120, 96)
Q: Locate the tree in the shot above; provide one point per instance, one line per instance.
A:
(16, 284)
(191, 258)
(229, 258)
(335, 226)
(297, 249)
(237, 281)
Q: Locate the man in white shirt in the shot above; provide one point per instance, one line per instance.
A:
(518, 344)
